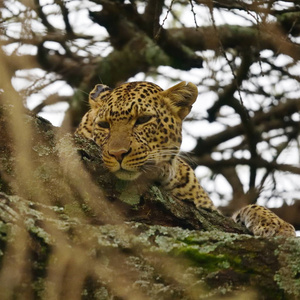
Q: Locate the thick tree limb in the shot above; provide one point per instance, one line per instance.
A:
(236, 37)
(142, 261)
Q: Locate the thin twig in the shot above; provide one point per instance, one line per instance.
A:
(194, 14)
(164, 20)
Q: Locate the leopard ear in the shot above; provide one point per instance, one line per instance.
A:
(99, 91)
(180, 98)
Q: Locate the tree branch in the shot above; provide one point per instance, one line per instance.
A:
(264, 121)
(237, 37)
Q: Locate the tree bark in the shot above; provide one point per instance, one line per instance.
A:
(70, 230)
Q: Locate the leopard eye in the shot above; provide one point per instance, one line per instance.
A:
(103, 124)
(143, 120)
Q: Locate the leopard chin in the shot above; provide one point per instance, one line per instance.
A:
(127, 175)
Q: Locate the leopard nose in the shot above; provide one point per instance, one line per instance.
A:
(119, 154)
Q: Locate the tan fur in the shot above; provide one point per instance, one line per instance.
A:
(138, 128)
(261, 221)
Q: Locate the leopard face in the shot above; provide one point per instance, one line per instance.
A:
(137, 125)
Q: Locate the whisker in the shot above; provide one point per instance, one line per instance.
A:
(187, 157)
(162, 154)
(82, 91)
(165, 151)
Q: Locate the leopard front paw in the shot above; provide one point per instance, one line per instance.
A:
(262, 222)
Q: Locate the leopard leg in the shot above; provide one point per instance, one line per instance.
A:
(263, 222)
(183, 184)
(180, 180)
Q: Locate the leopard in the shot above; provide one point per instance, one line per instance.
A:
(138, 127)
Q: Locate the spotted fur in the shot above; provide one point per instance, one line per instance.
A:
(138, 128)
(261, 221)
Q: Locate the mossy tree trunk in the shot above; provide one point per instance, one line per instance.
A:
(70, 230)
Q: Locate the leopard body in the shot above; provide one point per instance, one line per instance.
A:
(138, 128)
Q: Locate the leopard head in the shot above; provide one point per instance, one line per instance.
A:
(137, 125)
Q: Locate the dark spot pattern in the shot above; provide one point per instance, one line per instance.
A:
(154, 141)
